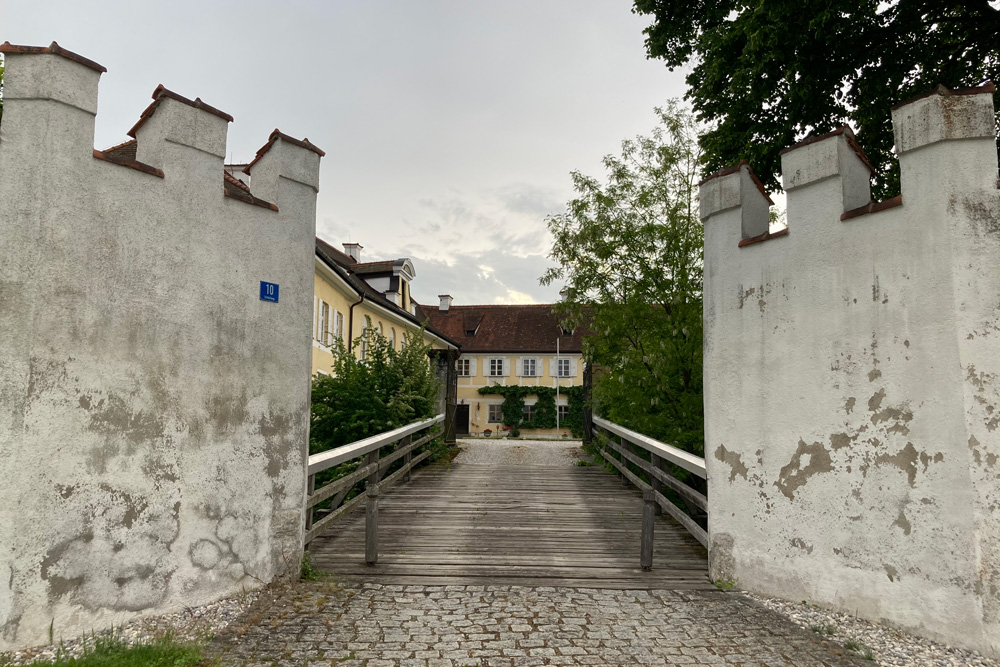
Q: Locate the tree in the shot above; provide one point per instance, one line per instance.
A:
(767, 73)
(389, 389)
(630, 253)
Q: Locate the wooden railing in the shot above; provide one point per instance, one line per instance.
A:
(624, 442)
(370, 474)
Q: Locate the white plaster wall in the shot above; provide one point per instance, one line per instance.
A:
(850, 389)
(153, 411)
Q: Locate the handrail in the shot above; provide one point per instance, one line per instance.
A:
(686, 460)
(338, 455)
(659, 479)
(371, 473)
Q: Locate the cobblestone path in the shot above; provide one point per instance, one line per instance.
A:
(320, 624)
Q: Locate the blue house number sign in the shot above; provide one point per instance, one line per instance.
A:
(269, 291)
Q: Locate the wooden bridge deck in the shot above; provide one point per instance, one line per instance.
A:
(513, 525)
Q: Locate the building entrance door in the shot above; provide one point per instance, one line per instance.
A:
(461, 420)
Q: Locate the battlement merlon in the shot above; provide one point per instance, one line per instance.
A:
(174, 119)
(835, 156)
(49, 87)
(284, 157)
(737, 187)
(946, 141)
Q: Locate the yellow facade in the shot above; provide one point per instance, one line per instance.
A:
(479, 370)
(333, 298)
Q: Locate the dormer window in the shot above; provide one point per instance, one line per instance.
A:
(566, 332)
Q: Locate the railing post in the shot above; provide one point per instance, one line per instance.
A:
(588, 408)
(310, 490)
(648, 523)
(657, 464)
(621, 455)
(371, 510)
(405, 442)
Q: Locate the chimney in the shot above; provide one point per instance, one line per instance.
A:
(354, 250)
(445, 302)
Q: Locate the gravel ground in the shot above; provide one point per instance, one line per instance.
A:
(888, 645)
(503, 452)
(192, 624)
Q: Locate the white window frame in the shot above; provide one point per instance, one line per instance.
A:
(324, 323)
(464, 368)
(563, 412)
(494, 413)
(338, 324)
(493, 363)
(524, 367)
(528, 412)
(365, 324)
(559, 368)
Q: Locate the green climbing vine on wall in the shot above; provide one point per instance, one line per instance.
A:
(544, 412)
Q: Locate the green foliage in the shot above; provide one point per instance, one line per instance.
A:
(768, 73)
(725, 585)
(629, 251)
(308, 571)
(111, 651)
(389, 389)
(544, 410)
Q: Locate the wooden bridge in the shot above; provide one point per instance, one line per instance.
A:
(460, 523)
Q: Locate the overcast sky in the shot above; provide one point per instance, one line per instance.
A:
(450, 128)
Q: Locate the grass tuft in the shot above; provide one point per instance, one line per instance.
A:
(112, 651)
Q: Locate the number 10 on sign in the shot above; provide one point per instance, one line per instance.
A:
(268, 291)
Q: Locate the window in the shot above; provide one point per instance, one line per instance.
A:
(495, 415)
(324, 323)
(562, 368)
(563, 413)
(528, 367)
(364, 337)
(464, 367)
(338, 325)
(528, 413)
(392, 338)
(496, 367)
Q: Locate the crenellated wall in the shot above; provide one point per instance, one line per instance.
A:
(852, 376)
(153, 409)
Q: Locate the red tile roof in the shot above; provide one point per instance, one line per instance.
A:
(343, 264)
(124, 154)
(278, 134)
(54, 49)
(734, 169)
(504, 328)
(161, 94)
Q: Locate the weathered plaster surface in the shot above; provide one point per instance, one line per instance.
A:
(153, 411)
(852, 383)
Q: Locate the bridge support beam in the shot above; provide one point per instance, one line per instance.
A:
(447, 374)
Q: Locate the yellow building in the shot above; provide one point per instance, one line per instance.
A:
(351, 296)
(507, 345)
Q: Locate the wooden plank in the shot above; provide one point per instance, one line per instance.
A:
(686, 460)
(333, 517)
(338, 455)
(342, 484)
(394, 477)
(557, 526)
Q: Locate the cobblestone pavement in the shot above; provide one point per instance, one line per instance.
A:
(320, 624)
